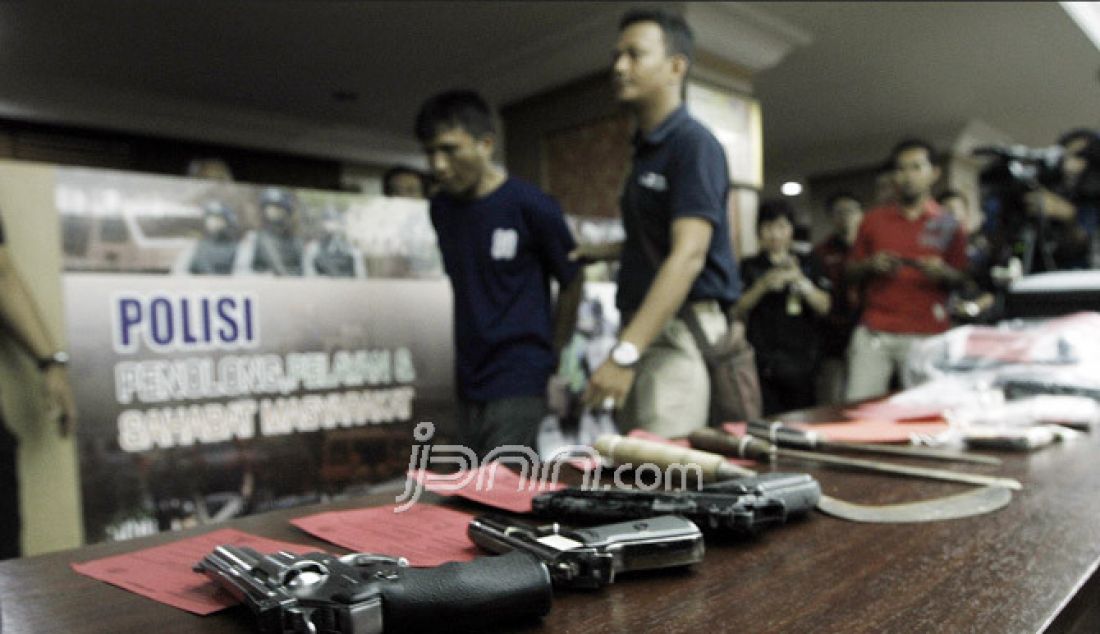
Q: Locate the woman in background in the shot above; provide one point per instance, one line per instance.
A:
(783, 307)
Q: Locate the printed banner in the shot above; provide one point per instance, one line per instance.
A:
(239, 348)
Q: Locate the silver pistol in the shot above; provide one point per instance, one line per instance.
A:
(592, 557)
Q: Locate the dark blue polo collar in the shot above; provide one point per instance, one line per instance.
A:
(666, 127)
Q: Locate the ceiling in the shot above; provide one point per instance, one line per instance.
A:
(876, 72)
(343, 79)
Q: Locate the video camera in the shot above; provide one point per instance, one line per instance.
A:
(1024, 165)
(1015, 171)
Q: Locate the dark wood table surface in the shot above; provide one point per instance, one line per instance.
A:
(1029, 567)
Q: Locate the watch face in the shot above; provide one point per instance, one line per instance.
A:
(624, 354)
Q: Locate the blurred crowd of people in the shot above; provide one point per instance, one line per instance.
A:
(836, 324)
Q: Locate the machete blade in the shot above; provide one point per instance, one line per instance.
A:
(976, 502)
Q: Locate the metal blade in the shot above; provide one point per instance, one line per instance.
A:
(900, 469)
(914, 452)
(969, 504)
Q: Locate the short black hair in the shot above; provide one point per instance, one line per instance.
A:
(773, 209)
(838, 196)
(1091, 151)
(454, 109)
(952, 193)
(394, 172)
(679, 40)
(911, 144)
(1092, 136)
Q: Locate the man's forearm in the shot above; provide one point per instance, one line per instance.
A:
(565, 312)
(665, 296)
(820, 301)
(19, 314)
(1058, 207)
(749, 299)
(951, 277)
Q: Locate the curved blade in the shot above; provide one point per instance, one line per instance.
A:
(901, 469)
(976, 502)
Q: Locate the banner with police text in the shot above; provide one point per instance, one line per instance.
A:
(239, 348)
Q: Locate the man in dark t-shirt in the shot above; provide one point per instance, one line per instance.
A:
(677, 251)
(845, 212)
(502, 240)
(21, 321)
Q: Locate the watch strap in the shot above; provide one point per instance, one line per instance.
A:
(58, 358)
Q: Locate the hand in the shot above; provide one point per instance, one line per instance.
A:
(972, 308)
(609, 384)
(557, 396)
(883, 263)
(1046, 202)
(60, 395)
(778, 278)
(933, 266)
(802, 286)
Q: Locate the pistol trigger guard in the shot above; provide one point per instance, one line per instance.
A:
(300, 622)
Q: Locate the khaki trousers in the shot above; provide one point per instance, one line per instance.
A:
(671, 392)
(873, 358)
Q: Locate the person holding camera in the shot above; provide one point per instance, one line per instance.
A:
(1069, 202)
(908, 255)
(784, 307)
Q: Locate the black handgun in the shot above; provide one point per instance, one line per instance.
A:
(591, 557)
(364, 594)
(742, 506)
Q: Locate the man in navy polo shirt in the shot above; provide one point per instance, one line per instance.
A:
(677, 250)
(21, 321)
(502, 239)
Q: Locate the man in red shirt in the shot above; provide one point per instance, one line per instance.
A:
(908, 255)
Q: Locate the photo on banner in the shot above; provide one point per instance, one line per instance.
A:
(242, 348)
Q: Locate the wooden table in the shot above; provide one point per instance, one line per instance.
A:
(1029, 567)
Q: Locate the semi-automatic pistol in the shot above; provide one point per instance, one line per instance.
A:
(364, 594)
(592, 557)
(744, 506)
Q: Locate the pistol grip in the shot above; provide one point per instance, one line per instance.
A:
(475, 594)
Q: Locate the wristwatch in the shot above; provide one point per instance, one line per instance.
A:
(625, 354)
(58, 358)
